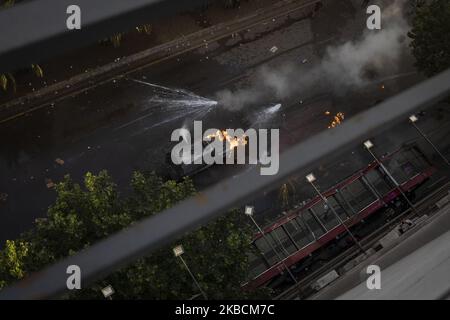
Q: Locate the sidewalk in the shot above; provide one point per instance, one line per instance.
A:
(352, 285)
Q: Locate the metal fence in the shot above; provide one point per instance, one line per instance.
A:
(144, 237)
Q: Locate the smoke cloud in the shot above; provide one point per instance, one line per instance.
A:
(347, 66)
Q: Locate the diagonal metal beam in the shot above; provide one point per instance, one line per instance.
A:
(36, 30)
(142, 238)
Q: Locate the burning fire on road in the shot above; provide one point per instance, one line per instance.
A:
(231, 141)
(337, 119)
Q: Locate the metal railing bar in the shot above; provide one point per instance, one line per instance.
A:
(36, 30)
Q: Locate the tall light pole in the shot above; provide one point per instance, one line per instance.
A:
(369, 145)
(178, 252)
(249, 212)
(311, 178)
(413, 119)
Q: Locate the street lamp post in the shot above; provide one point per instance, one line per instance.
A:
(311, 178)
(413, 119)
(249, 212)
(178, 251)
(369, 145)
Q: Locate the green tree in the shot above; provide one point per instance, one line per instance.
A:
(7, 80)
(7, 3)
(12, 262)
(231, 3)
(82, 215)
(431, 36)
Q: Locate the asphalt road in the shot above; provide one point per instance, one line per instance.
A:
(119, 127)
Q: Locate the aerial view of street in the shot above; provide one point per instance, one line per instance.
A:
(90, 138)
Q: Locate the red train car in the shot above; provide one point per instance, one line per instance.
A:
(299, 235)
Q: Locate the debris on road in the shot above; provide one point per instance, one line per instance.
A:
(3, 197)
(305, 61)
(337, 120)
(49, 183)
(274, 49)
(405, 225)
(59, 161)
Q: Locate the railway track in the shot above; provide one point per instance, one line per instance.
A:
(424, 206)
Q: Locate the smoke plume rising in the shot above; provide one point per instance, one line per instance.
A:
(350, 65)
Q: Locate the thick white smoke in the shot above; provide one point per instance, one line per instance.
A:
(349, 65)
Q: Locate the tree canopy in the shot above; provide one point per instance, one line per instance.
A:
(82, 215)
(430, 36)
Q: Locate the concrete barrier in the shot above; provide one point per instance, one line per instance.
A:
(325, 280)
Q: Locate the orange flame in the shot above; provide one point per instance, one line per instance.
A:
(337, 120)
(232, 141)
